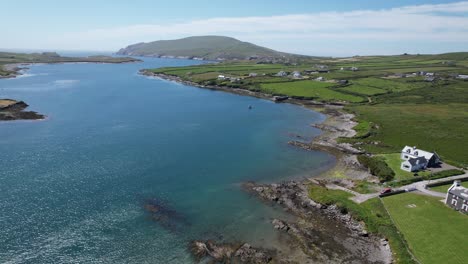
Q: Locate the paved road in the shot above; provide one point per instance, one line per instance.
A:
(419, 186)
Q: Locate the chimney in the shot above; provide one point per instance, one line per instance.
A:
(457, 183)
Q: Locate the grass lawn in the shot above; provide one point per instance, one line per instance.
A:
(394, 162)
(389, 85)
(309, 89)
(444, 188)
(435, 233)
(372, 212)
(432, 127)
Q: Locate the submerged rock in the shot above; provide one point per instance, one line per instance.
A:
(164, 214)
(228, 253)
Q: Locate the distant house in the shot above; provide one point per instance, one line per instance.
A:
(221, 77)
(421, 73)
(430, 74)
(341, 69)
(296, 75)
(234, 79)
(429, 78)
(462, 77)
(457, 197)
(320, 79)
(416, 159)
(253, 74)
(282, 74)
(354, 69)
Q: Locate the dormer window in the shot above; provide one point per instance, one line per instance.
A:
(416, 153)
(408, 150)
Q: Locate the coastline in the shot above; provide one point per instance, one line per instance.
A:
(11, 110)
(293, 197)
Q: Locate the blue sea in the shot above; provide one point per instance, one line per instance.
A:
(130, 169)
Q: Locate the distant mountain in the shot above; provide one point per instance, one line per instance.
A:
(204, 47)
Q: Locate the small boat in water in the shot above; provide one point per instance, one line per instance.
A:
(250, 107)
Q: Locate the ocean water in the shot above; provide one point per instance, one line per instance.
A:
(79, 186)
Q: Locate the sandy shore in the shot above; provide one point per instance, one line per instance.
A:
(321, 234)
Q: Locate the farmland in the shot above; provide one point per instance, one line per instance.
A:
(433, 231)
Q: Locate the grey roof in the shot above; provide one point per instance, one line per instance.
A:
(417, 161)
(460, 191)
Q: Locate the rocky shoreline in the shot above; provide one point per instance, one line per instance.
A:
(348, 243)
(324, 234)
(14, 110)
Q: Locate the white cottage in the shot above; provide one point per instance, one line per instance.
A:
(415, 159)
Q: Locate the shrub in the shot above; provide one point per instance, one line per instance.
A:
(378, 167)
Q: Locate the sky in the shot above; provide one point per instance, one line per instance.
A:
(322, 28)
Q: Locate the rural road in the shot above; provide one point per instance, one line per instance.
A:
(419, 186)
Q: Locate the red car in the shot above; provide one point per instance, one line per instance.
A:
(386, 190)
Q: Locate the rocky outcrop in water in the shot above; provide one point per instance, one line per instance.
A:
(326, 234)
(14, 110)
(209, 251)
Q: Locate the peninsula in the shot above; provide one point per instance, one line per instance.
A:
(14, 110)
(12, 63)
(214, 48)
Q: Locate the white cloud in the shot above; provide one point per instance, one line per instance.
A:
(419, 28)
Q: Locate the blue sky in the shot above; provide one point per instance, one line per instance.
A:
(337, 28)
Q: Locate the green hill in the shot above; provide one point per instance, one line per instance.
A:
(204, 47)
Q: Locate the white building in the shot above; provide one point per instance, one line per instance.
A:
(296, 75)
(320, 79)
(415, 159)
(281, 74)
(221, 77)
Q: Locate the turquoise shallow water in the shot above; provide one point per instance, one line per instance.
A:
(73, 187)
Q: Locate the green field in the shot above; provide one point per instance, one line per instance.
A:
(435, 233)
(432, 127)
(309, 89)
(363, 90)
(444, 188)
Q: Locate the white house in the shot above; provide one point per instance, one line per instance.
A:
(415, 159)
(296, 75)
(320, 79)
(221, 77)
(252, 74)
(462, 77)
(354, 68)
(281, 74)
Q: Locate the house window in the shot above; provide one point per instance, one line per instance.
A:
(406, 156)
(465, 207)
(416, 153)
(454, 202)
(406, 166)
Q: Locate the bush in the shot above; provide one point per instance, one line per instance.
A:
(378, 167)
